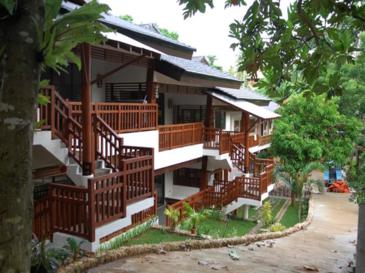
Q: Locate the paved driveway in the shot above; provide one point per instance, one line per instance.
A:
(327, 245)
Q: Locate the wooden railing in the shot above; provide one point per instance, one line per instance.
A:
(71, 210)
(217, 139)
(263, 140)
(179, 135)
(41, 215)
(108, 144)
(122, 117)
(237, 156)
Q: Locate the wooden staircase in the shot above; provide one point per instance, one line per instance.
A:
(79, 210)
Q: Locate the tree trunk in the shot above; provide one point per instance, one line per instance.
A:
(19, 81)
(360, 251)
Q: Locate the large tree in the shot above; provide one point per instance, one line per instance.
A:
(32, 37)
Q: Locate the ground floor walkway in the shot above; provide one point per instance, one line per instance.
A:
(328, 245)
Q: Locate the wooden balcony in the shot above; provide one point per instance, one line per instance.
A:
(259, 141)
(179, 135)
(121, 117)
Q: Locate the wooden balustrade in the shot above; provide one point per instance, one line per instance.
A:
(263, 140)
(71, 210)
(41, 218)
(108, 144)
(238, 157)
(122, 117)
(179, 135)
(217, 139)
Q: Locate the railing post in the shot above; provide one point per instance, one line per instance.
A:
(53, 112)
(92, 219)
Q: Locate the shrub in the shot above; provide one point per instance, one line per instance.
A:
(194, 217)
(267, 214)
(277, 227)
(74, 249)
(173, 215)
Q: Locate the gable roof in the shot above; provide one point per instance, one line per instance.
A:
(129, 28)
(243, 93)
(196, 68)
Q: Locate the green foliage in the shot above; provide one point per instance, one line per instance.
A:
(212, 62)
(194, 218)
(173, 215)
(169, 34)
(74, 248)
(277, 227)
(356, 177)
(127, 17)
(46, 259)
(122, 239)
(60, 34)
(312, 130)
(9, 5)
(266, 214)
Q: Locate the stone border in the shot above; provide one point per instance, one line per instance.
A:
(86, 263)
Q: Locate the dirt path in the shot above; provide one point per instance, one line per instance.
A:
(328, 245)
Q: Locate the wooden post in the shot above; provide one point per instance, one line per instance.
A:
(86, 111)
(208, 122)
(92, 219)
(204, 174)
(246, 126)
(150, 85)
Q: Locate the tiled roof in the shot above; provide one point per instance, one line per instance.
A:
(197, 67)
(122, 24)
(243, 94)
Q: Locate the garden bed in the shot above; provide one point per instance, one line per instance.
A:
(156, 236)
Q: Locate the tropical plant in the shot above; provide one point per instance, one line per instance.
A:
(277, 227)
(173, 215)
(74, 248)
(45, 260)
(266, 214)
(194, 218)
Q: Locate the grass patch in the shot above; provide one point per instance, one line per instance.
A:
(254, 212)
(223, 229)
(291, 216)
(277, 206)
(156, 236)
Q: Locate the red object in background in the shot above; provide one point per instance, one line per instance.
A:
(339, 186)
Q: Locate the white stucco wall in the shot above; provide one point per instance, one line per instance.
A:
(177, 192)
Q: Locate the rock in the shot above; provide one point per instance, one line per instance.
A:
(251, 248)
(219, 267)
(233, 254)
(161, 251)
(203, 262)
(310, 268)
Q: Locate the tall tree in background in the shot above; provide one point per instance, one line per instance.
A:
(32, 37)
(300, 52)
(212, 59)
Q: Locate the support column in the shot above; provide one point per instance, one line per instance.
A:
(246, 212)
(246, 131)
(204, 174)
(86, 111)
(150, 86)
(209, 123)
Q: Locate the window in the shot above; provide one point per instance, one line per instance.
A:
(220, 119)
(187, 177)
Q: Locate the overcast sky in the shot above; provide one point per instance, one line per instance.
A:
(208, 32)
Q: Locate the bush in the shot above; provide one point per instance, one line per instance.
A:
(173, 215)
(266, 214)
(277, 227)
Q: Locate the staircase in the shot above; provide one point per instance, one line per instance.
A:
(122, 180)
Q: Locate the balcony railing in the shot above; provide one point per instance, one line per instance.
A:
(122, 117)
(178, 135)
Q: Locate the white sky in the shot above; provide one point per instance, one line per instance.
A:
(207, 32)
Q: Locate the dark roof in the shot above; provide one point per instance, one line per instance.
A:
(197, 67)
(121, 24)
(243, 94)
(201, 59)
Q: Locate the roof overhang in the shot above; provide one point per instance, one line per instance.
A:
(121, 41)
(197, 79)
(252, 109)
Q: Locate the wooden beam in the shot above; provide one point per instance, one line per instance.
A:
(86, 114)
(111, 72)
(49, 171)
(150, 86)
(246, 130)
(177, 166)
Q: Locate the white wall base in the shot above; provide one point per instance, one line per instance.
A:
(60, 239)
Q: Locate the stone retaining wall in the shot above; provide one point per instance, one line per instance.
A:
(86, 263)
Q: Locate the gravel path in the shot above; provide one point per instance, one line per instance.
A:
(326, 246)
